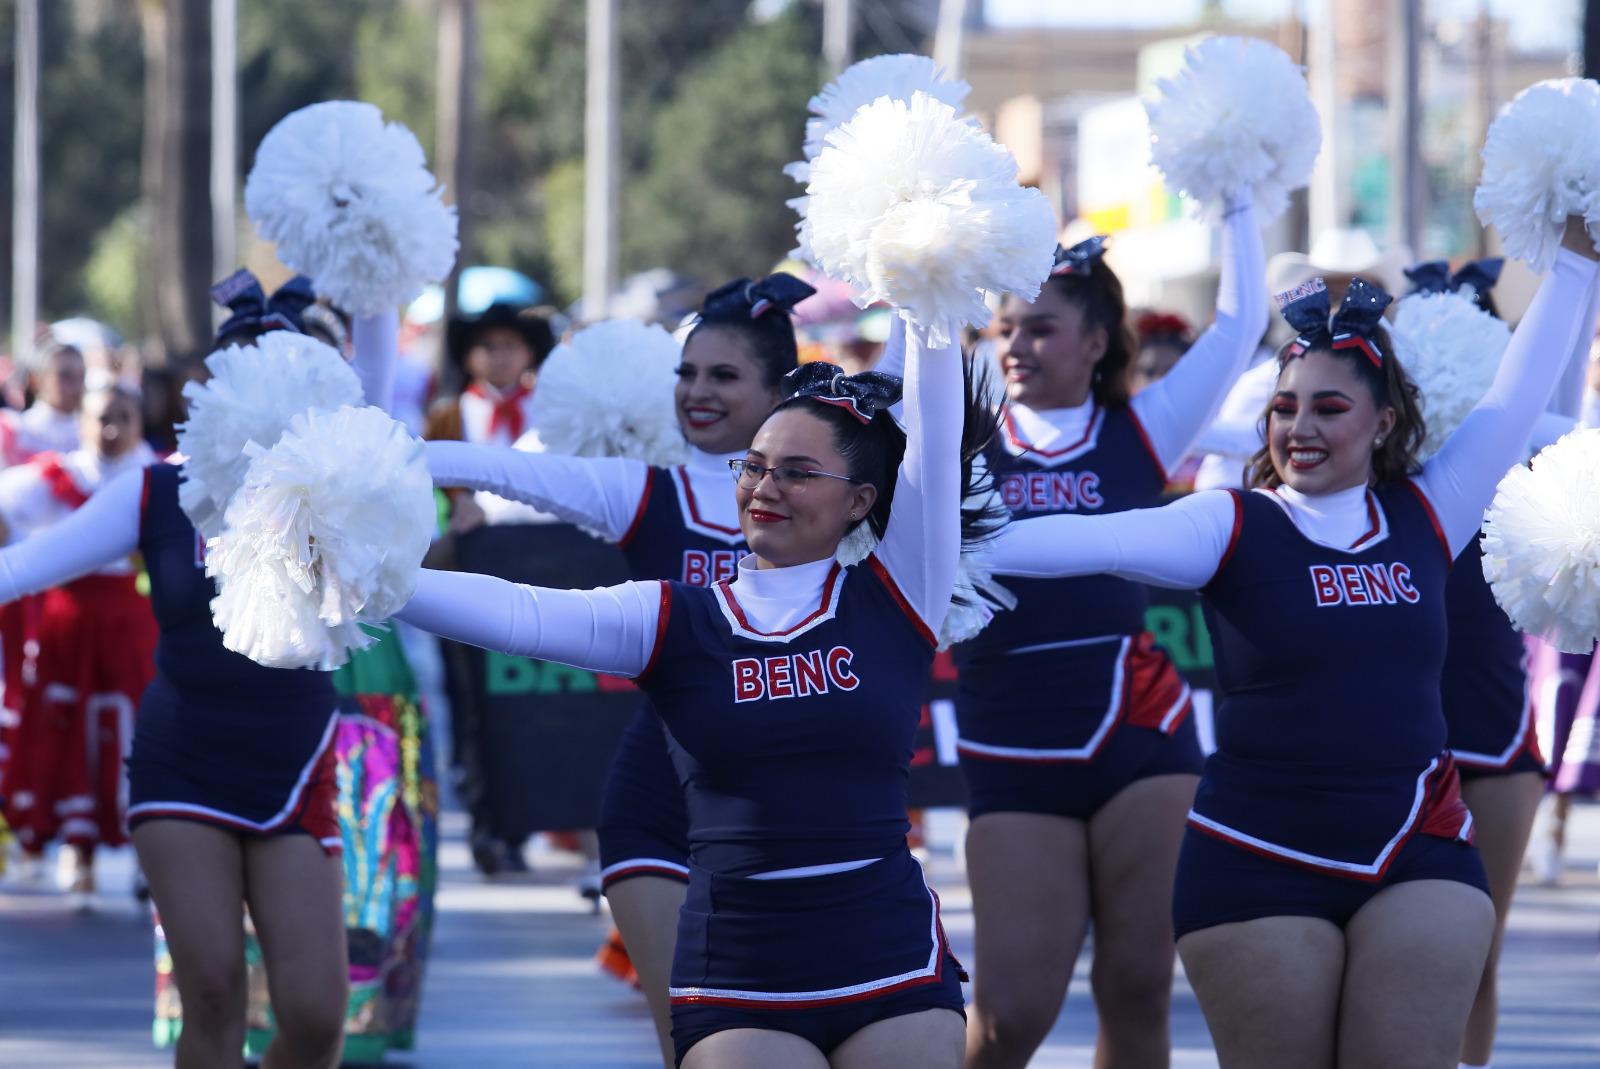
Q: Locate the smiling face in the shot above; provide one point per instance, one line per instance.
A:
(721, 395)
(1048, 350)
(1324, 423)
(805, 520)
(110, 423)
(500, 357)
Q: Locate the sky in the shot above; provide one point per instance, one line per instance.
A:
(1535, 23)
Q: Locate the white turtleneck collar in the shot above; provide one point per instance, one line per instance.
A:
(1336, 520)
(713, 486)
(1044, 427)
(776, 599)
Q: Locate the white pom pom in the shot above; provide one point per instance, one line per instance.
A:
(252, 394)
(608, 393)
(349, 201)
(1237, 119)
(328, 531)
(1541, 163)
(1541, 544)
(919, 208)
(1450, 348)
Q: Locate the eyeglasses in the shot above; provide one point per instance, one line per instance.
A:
(788, 479)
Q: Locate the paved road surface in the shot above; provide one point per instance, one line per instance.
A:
(513, 984)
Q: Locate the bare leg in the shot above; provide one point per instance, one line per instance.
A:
(646, 911)
(1502, 812)
(295, 893)
(753, 1048)
(1133, 844)
(1269, 989)
(1029, 874)
(1415, 954)
(196, 875)
(932, 1039)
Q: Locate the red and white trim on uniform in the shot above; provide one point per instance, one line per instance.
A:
(1017, 445)
(1113, 713)
(1149, 446)
(882, 572)
(689, 509)
(1377, 529)
(292, 806)
(643, 866)
(638, 512)
(728, 602)
(1525, 738)
(1371, 871)
(931, 973)
(1433, 518)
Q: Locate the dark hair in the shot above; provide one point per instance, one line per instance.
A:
(872, 452)
(1396, 458)
(1098, 293)
(758, 313)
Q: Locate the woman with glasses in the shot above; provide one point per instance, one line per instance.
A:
(1077, 747)
(676, 524)
(792, 690)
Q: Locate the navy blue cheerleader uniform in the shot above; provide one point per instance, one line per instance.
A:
(1485, 682)
(1331, 780)
(794, 748)
(644, 825)
(1064, 700)
(219, 738)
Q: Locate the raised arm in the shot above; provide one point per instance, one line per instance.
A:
(600, 493)
(921, 546)
(611, 629)
(1179, 545)
(1177, 408)
(104, 530)
(1459, 481)
(377, 345)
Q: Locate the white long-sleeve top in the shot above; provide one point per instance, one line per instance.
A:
(1175, 410)
(613, 629)
(1182, 544)
(600, 494)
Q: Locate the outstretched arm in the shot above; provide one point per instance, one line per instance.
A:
(601, 493)
(377, 344)
(1178, 545)
(104, 530)
(611, 629)
(921, 546)
(1459, 481)
(1176, 409)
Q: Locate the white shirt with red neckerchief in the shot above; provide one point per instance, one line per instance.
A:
(50, 487)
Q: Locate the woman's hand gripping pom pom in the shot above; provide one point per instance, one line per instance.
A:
(328, 532)
(896, 77)
(912, 205)
(1541, 544)
(1237, 120)
(350, 202)
(1541, 163)
(1450, 348)
(252, 394)
(608, 393)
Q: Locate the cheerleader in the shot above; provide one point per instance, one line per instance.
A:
(792, 691)
(1077, 747)
(675, 524)
(74, 682)
(1327, 896)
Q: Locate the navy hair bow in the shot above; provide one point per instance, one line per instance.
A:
(252, 309)
(1079, 260)
(1434, 276)
(1353, 326)
(865, 395)
(742, 297)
